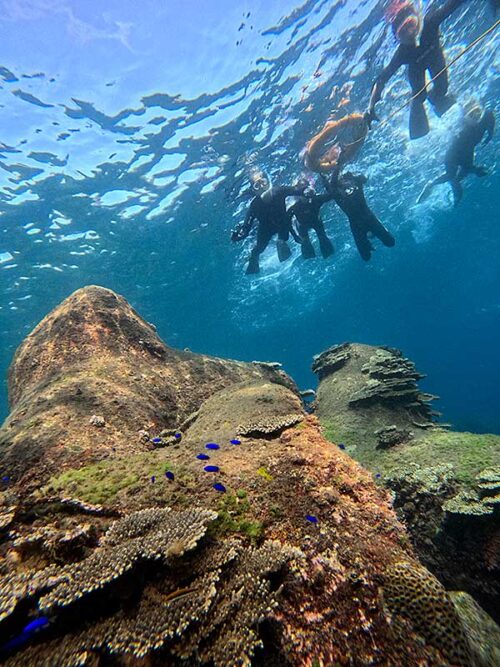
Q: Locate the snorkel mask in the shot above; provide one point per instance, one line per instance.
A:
(404, 18)
(473, 112)
(260, 181)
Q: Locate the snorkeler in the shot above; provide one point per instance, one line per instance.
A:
(347, 192)
(421, 50)
(459, 158)
(347, 134)
(269, 208)
(307, 213)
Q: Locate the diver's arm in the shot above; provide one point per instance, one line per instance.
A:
(360, 179)
(242, 230)
(488, 122)
(292, 191)
(323, 199)
(381, 81)
(440, 14)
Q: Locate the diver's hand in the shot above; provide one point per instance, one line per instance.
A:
(236, 235)
(370, 115)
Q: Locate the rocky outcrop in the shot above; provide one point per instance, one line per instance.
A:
(249, 540)
(94, 377)
(445, 484)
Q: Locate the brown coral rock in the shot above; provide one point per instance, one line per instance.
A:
(93, 355)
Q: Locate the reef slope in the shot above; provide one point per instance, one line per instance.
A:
(121, 545)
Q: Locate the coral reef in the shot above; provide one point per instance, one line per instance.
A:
(445, 484)
(269, 548)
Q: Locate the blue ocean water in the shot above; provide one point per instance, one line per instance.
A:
(128, 133)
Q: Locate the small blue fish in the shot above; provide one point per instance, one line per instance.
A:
(157, 441)
(236, 442)
(211, 468)
(178, 436)
(311, 518)
(35, 625)
(203, 457)
(220, 487)
(153, 479)
(378, 475)
(170, 475)
(341, 445)
(5, 479)
(212, 445)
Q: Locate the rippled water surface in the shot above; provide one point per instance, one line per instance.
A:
(128, 132)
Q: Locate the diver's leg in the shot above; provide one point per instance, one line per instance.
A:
(478, 170)
(457, 190)
(359, 233)
(325, 245)
(444, 178)
(306, 248)
(378, 230)
(282, 246)
(264, 235)
(419, 125)
(438, 96)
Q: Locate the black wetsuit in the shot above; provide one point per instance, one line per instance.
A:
(459, 158)
(347, 192)
(307, 213)
(270, 211)
(425, 56)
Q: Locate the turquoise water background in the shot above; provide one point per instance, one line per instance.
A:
(128, 132)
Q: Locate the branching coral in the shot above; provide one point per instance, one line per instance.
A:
(200, 604)
(150, 534)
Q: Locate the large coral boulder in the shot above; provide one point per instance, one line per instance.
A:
(93, 375)
(249, 540)
(446, 483)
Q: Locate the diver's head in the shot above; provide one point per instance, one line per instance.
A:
(404, 18)
(473, 112)
(260, 182)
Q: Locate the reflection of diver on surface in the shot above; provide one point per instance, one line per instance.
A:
(421, 53)
(307, 213)
(346, 135)
(347, 192)
(459, 158)
(269, 209)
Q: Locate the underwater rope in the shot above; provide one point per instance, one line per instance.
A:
(446, 67)
(428, 83)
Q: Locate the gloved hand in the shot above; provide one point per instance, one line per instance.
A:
(370, 115)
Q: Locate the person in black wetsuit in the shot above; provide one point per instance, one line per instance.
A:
(347, 191)
(269, 209)
(459, 158)
(307, 213)
(421, 53)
